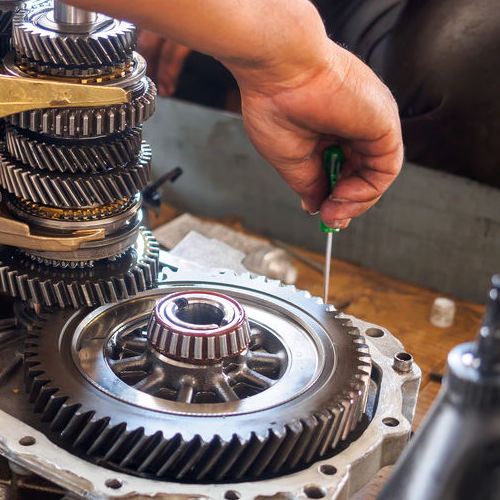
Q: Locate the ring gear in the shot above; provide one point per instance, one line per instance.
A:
(106, 282)
(89, 156)
(90, 122)
(110, 44)
(69, 190)
(174, 441)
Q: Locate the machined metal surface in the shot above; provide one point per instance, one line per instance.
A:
(34, 37)
(90, 156)
(63, 190)
(332, 476)
(80, 165)
(93, 121)
(104, 283)
(67, 14)
(313, 398)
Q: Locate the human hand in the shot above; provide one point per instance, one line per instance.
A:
(165, 60)
(342, 103)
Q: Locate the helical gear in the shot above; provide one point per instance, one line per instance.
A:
(173, 441)
(90, 122)
(110, 44)
(70, 168)
(89, 156)
(62, 190)
(104, 283)
(21, 208)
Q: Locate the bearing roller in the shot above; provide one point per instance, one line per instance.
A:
(198, 327)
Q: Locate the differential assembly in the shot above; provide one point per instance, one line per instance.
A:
(71, 171)
(201, 383)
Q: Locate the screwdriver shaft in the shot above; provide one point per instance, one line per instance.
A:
(326, 272)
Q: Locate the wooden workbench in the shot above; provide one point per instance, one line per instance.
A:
(400, 307)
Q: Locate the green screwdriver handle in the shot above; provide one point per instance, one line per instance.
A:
(333, 160)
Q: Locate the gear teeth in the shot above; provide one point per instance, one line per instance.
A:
(277, 450)
(84, 157)
(90, 122)
(109, 45)
(71, 191)
(42, 285)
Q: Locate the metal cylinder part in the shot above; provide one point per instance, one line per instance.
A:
(67, 14)
(201, 327)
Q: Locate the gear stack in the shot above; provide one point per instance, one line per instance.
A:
(75, 169)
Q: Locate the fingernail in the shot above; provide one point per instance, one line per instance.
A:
(339, 224)
(333, 198)
(310, 212)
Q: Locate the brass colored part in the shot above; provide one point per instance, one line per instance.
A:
(18, 234)
(55, 213)
(25, 94)
(84, 80)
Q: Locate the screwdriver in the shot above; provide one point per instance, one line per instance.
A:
(333, 159)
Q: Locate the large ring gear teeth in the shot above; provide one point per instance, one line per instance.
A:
(112, 44)
(72, 191)
(294, 436)
(89, 156)
(105, 283)
(90, 122)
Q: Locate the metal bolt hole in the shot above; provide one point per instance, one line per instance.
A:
(314, 491)
(27, 441)
(114, 484)
(374, 332)
(390, 422)
(404, 356)
(328, 470)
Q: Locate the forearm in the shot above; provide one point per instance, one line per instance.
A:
(283, 39)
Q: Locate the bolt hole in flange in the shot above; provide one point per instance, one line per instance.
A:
(390, 422)
(328, 470)
(374, 332)
(232, 495)
(114, 484)
(314, 491)
(27, 441)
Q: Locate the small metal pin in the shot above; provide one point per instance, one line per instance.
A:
(326, 272)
